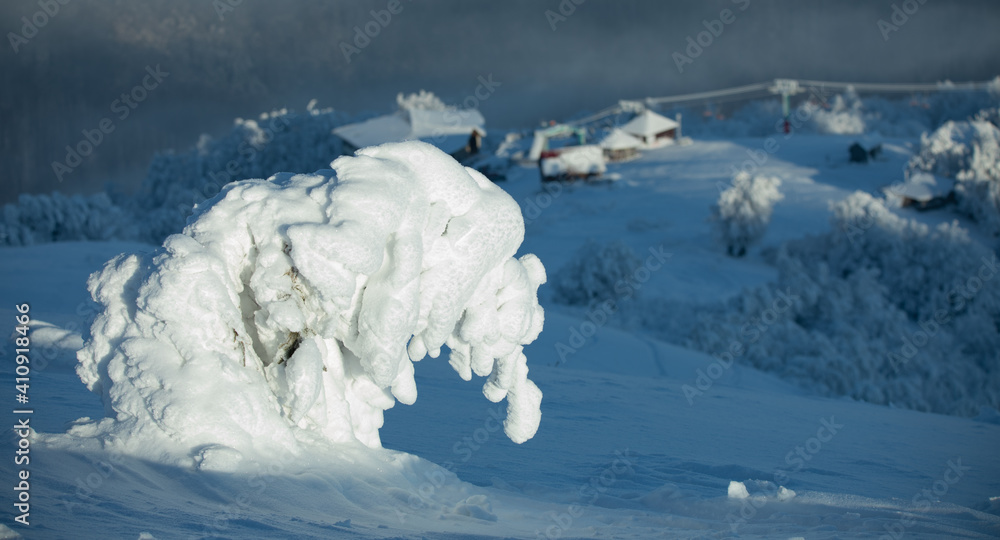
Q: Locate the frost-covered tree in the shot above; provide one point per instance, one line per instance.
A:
(743, 211)
(594, 272)
(291, 310)
(420, 101)
(882, 308)
(178, 181)
(255, 148)
(38, 219)
(969, 153)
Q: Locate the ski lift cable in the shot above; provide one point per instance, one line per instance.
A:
(751, 91)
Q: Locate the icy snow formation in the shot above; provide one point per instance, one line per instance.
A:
(290, 310)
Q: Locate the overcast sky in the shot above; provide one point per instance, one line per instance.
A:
(281, 53)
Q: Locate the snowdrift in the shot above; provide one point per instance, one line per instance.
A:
(289, 312)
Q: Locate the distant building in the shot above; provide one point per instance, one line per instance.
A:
(620, 146)
(923, 191)
(458, 133)
(572, 162)
(653, 129)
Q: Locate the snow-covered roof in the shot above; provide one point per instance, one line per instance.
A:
(922, 187)
(649, 123)
(619, 140)
(447, 129)
(581, 160)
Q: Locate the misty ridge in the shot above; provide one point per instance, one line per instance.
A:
(232, 59)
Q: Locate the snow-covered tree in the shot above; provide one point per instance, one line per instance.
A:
(255, 148)
(594, 272)
(291, 310)
(743, 211)
(882, 308)
(969, 153)
(38, 219)
(420, 101)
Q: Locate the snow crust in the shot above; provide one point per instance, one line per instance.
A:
(291, 310)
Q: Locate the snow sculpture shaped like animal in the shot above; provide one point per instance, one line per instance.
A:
(290, 310)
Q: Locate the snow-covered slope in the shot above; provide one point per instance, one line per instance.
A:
(621, 453)
(639, 438)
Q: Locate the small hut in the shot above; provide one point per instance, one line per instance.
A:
(457, 132)
(923, 191)
(620, 146)
(652, 129)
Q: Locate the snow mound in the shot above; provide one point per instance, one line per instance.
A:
(290, 310)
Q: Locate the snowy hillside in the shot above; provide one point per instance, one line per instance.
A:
(835, 376)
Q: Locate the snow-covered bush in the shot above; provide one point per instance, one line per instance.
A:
(881, 309)
(593, 273)
(968, 152)
(743, 211)
(420, 101)
(291, 310)
(178, 181)
(277, 141)
(38, 219)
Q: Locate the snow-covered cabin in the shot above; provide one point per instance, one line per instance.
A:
(457, 132)
(620, 146)
(652, 129)
(572, 162)
(923, 191)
